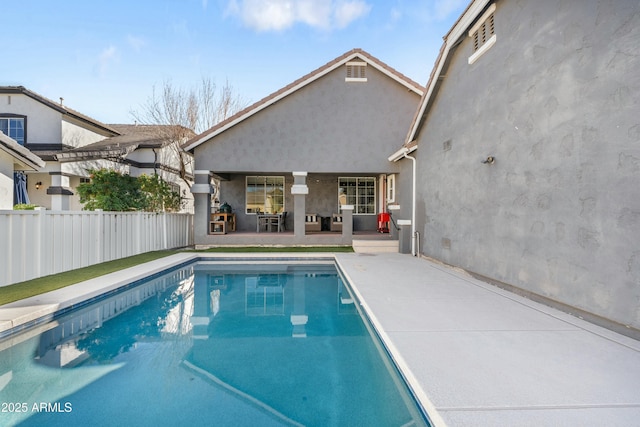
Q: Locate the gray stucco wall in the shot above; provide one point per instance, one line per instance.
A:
(329, 126)
(557, 101)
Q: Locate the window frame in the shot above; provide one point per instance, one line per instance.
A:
(16, 117)
(359, 208)
(266, 186)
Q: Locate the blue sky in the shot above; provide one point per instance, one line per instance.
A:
(104, 57)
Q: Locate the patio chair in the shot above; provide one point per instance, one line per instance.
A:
(336, 222)
(312, 222)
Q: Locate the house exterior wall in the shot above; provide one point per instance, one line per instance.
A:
(327, 126)
(556, 102)
(76, 136)
(43, 125)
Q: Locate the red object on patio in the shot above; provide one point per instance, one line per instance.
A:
(383, 222)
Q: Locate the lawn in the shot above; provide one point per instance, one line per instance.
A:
(41, 285)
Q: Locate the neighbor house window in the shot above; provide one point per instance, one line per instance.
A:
(359, 192)
(13, 127)
(356, 71)
(265, 194)
(483, 34)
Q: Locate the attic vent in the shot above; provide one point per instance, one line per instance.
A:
(356, 72)
(483, 34)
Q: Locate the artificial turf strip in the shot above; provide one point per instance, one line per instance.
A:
(241, 249)
(29, 288)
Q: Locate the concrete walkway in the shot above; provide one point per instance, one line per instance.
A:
(475, 355)
(481, 356)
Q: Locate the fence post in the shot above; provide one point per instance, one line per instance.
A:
(100, 236)
(42, 249)
(164, 226)
(138, 249)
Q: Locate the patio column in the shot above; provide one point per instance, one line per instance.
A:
(347, 224)
(59, 191)
(202, 191)
(299, 190)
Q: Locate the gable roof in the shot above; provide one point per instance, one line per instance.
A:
(22, 156)
(451, 41)
(300, 83)
(21, 90)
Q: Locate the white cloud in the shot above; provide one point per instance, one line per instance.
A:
(277, 15)
(107, 57)
(348, 11)
(136, 43)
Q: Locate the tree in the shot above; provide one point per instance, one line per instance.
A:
(159, 195)
(110, 190)
(182, 113)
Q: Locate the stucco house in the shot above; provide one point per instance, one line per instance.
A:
(14, 157)
(314, 149)
(71, 143)
(527, 153)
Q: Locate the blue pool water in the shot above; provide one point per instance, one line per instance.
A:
(209, 344)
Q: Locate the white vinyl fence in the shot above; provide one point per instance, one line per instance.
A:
(38, 243)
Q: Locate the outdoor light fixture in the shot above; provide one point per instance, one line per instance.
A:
(489, 161)
(38, 185)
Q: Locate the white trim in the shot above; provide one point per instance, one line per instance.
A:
(401, 152)
(482, 49)
(299, 173)
(355, 79)
(357, 63)
(483, 18)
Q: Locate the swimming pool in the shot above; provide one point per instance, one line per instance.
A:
(210, 343)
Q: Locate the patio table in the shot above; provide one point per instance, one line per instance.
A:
(267, 220)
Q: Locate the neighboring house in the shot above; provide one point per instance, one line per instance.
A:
(527, 147)
(332, 129)
(72, 143)
(14, 157)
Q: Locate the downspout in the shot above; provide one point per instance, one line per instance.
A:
(413, 204)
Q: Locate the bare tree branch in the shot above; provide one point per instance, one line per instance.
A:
(180, 114)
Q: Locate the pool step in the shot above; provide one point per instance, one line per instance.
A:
(375, 246)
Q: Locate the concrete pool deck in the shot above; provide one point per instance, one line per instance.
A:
(476, 355)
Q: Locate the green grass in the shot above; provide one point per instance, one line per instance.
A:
(38, 286)
(41, 285)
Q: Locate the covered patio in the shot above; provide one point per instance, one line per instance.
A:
(287, 222)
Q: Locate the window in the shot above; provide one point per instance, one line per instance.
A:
(359, 192)
(356, 72)
(483, 34)
(391, 188)
(265, 194)
(13, 127)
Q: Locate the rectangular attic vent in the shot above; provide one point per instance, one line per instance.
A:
(356, 71)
